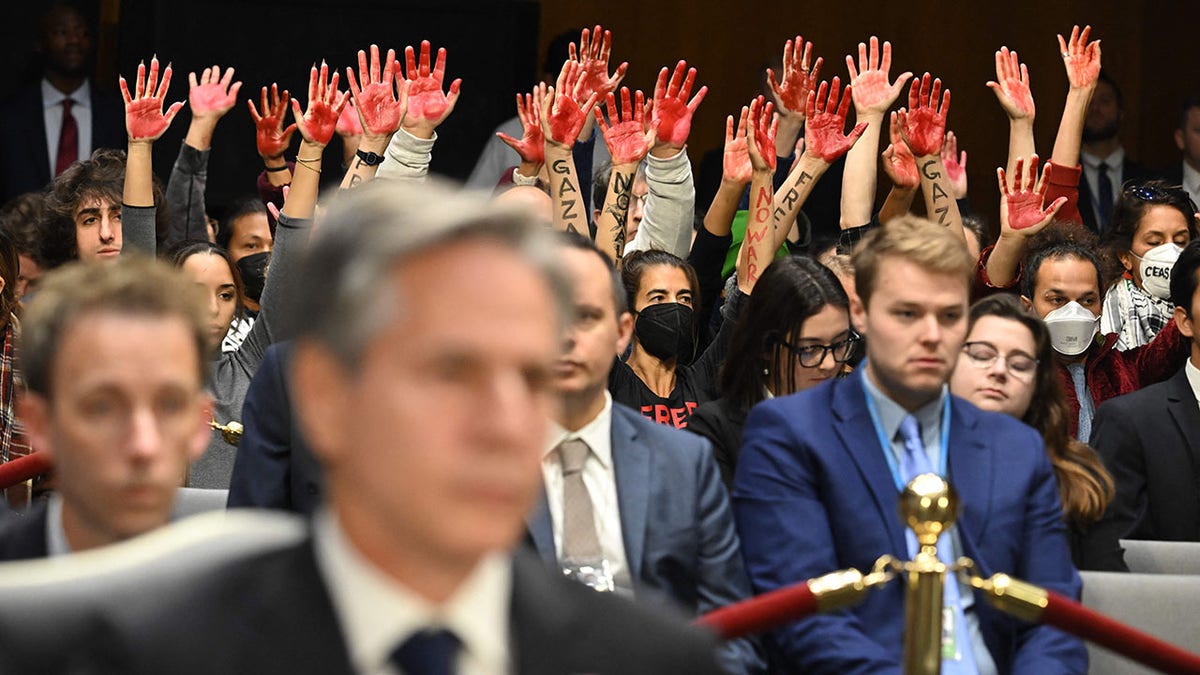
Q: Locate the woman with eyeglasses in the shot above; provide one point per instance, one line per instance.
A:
(1151, 224)
(793, 333)
(1007, 365)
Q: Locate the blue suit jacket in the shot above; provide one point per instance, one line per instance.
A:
(274, 467)
(676, 523)
(813, 493)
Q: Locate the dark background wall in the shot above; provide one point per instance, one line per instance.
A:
(496, 47)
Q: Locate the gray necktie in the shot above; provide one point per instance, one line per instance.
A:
(580, 540)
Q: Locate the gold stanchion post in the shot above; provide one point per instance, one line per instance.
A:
(928, 506)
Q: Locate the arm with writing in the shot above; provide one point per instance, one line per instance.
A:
(145, 123)
(900, 165)
(825, 140)
(758, 248)
(873, 95)
(923, 127)
(209, 97)
(410, 150)
(628, 139)
(380, 103)
(671, 200)
(1012, 90)
(1021, 217)
(562, 119)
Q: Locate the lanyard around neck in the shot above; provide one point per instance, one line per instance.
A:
(886, 444)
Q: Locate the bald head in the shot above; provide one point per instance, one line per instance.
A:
(529, 198)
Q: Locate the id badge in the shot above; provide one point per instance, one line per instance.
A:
(950, 650)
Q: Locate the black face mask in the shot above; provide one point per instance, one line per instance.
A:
(253, 269)
(665, 331)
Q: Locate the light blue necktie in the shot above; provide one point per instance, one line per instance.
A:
(914, 463)
(1087, 407)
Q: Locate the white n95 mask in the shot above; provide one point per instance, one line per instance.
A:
(1155, 268)
(1072, 328)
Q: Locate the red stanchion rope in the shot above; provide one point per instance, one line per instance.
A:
(1070, 616)
(761, 613)
(22, 469)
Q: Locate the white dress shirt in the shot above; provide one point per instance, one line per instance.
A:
(377, 614)
(1193, 376)
(1191, 183)
(601, 482)
(81, 110)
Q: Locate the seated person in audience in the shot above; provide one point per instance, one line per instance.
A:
(1062, 282)
(114, 362)
(422, 518)
(246, 233)
(820, 472)
(1151, 224)
(1186, 172)
(23, 219)
(640, 503)
(1150, 438)
(794, 334)
(13, 440)
(1007, 365)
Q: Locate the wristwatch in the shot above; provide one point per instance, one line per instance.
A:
(369, 158)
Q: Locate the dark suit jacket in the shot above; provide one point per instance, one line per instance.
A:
(813, 493)
(721, 422)
(271, 613)
(1150, 442)
(1130, 171)
(274, 467)
(24, 157)
(23, 536)
(676, 523)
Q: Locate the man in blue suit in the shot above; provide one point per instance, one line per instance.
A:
(820, 471)
(655, 521)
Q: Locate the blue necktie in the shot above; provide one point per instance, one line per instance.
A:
(1104, 197)
(429, 652)
(914, 463)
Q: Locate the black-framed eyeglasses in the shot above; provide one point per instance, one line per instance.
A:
(811, 356)
(983, 355)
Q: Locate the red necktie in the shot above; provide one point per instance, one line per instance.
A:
(68, 140)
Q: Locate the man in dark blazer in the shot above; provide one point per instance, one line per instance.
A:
(1150, 439)
(104, 349)
(1102, 146)
(274, 468)
(65, 45)
(427, 408)
(818, 480)
(660, 513)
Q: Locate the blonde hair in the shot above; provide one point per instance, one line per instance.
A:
(917, 240)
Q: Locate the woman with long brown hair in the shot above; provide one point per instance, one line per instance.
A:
(1007, 366)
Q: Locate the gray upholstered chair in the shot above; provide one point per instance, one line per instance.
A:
(1162, 605)
(191, 501)
(1162, 557)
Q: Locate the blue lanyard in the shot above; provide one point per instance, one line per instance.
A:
(890, 454)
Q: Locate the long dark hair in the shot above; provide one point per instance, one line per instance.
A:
(1084, 486)
(180, 252)
(791, 290)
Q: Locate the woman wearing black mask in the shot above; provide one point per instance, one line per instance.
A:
(660, 379)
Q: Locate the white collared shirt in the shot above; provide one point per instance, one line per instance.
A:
(1193, 377)
(601, 482)
(1191, 183)
(1116, 174)
(81, 110)
(377, 613)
